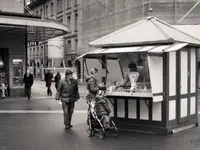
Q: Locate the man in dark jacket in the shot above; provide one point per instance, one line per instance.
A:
(28, 82)
(48, 78)
(68, 93)
(57, 79)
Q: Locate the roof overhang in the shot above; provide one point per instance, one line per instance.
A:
(135, 49)
(37, 29)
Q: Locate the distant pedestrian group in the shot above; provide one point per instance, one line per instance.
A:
(67, 91)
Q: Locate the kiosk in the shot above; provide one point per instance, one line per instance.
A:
(165, 98)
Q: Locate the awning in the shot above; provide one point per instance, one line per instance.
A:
(137, 49)
(37, 29)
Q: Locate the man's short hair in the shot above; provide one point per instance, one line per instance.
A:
(132, 65)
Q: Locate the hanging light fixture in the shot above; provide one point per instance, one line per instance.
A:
(1, 62)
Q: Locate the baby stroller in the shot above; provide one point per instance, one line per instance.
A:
(95, 122)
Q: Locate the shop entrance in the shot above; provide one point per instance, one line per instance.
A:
(186, 87)
(4, 66)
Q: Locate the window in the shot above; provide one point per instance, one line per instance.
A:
(37, 51)
(58, 6)
(68, 3)
(33, 52)
(76, 44)
(29, 54)
(47, 11)
(52, 8)
(75, 2)
(41, 51)
(76, 22)
(69, 46)
(61, 5)
(69, 21)
(41, 13)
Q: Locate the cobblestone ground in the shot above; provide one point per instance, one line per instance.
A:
(38, 125)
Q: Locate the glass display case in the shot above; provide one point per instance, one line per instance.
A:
(17, 72)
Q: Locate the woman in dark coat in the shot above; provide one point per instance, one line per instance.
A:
(93, 84)
(48, 79)
(57, 79)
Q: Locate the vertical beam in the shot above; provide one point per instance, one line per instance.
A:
(165, 103)
(26, 48)
(178, 79)
(197, 76)
(189, 82)
(104, 66)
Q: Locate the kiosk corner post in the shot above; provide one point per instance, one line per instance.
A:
(104, 66)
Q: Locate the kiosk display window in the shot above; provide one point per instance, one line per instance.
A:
(138, 79)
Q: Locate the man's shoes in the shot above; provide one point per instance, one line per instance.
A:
(71, 126)
(67, 127)
(29, 99)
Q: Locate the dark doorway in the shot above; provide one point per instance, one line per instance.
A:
(69, 63)
(4, 67)
(78, 68)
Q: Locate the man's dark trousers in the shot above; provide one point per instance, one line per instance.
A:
(28, 91)
(49, 92)
(68, 109)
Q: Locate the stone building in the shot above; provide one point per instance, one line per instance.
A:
(92, 19)
(65, 47)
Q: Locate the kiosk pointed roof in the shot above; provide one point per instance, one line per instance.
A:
(148, 31)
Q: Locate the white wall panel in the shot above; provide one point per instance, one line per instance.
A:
(144, 110)
(172, 109)
(184, 72)
(193, 71)
(156, 74)
(184, 105)
(192, 105)
(157, 111)
(132, 109)
(121, 108)
(172, 73)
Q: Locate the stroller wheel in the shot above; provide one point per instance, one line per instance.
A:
(114, 135)
(90, 132)
(101, 134)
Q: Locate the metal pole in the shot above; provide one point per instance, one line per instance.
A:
(189, 11)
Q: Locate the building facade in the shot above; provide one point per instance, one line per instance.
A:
(16, 31)
(65, 47)
(101, 17)
(92, 19)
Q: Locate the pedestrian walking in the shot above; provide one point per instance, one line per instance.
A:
(28, 82)
(93, 85)
(68, 93)
(48, 79)
(57, 79)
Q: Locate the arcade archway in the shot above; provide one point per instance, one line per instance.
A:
(77, 65)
